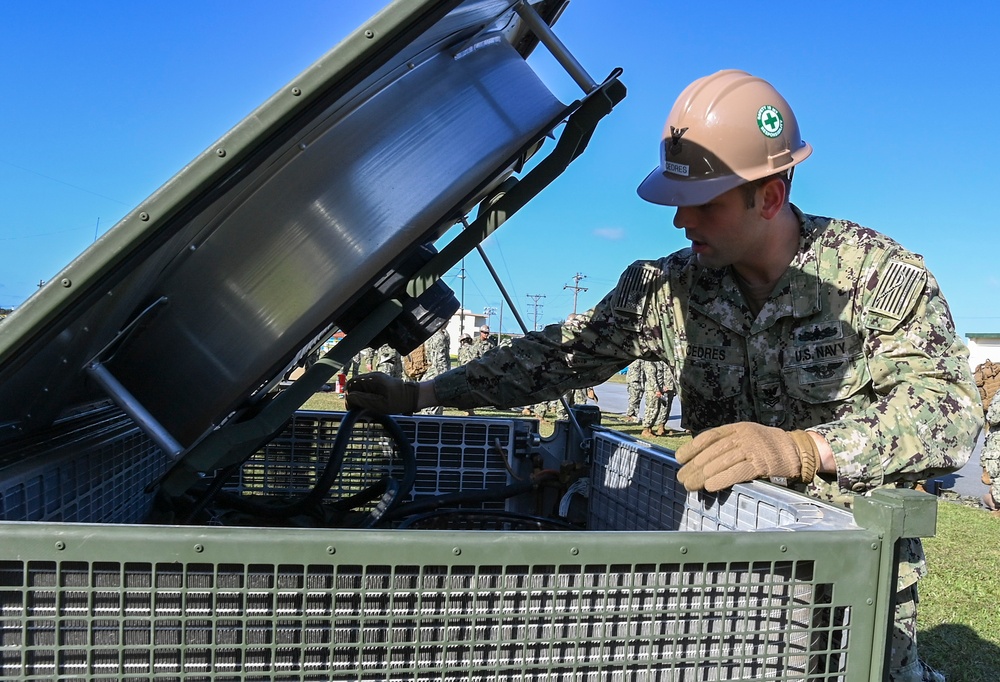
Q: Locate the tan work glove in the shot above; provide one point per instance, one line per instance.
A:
(721, 457)
(381, 393)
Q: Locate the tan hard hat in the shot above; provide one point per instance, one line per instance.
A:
(724, 130)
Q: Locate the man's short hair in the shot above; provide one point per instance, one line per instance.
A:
(750, 188)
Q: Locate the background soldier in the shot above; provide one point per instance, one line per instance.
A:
(466, 349)
(654, 419)
(634, 382)
(437, 350)
(466, 352)
(387, 361)
(485, 343)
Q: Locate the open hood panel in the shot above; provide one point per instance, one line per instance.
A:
(315, 211)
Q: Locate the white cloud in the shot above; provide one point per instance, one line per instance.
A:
(610, 233)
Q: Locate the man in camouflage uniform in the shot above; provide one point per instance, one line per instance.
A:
(654, 419)
(388, 361)
(810, 351)
(438, 352)
(990, 456)
(485, 343)
(466, 349)
(353, 367)
(634, 382)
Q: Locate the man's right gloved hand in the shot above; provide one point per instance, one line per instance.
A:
(381, 393)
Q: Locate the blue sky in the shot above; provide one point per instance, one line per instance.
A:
(103, 102)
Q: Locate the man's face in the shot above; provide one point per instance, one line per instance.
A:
(723, 231)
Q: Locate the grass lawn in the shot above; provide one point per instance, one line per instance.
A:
(958, 621)
(959, 624)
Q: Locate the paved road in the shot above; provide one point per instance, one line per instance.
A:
(966, 481)
(613, 398)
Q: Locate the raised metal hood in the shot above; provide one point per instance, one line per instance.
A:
(314, 213)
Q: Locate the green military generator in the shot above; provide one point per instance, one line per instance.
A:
(169, 513)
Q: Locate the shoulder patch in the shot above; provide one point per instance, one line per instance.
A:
(632, 292)
(897, 290)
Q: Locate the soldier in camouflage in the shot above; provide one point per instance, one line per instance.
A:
(466, 349)
(810, 351)
(353, 367)
(438, 352)
(654, 419)
(387, 361)
(466, 352)
(990, 456)
(485, 343)
(634, 382)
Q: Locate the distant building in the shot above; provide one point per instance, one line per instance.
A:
(464, 321)
(983, 347)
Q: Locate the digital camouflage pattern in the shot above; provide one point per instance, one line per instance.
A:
(481, 346)
(388, 361)
(856, 342)
(990, 456)
(654, 379)
(634, 382)
(466, 352)
(437, 350)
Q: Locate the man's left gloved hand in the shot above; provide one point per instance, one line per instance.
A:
(382, 393)
(734, 453)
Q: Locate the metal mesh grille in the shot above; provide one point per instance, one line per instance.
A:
(720, 621)
(452, 455)
(635, 488)
(93, 468)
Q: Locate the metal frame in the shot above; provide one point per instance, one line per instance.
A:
(781, 587)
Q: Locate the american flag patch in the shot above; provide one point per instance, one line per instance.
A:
(633, 288)
(897, 288)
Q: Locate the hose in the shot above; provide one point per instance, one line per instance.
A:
(391, 491)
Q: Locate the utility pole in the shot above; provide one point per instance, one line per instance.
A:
(576, 288)
(535, 306)
(489, 312)
(461, 305)
(500, 324)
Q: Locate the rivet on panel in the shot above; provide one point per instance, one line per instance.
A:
(369, 34)
(783, 548)
(143, 216)
(875, 546)
(870, 601)
(60, 545)
(456, 551)
(65, 281)
(331, 550)
(684, 550)
(199, 548)
(574, 550)
(220, 152)
(296, 91)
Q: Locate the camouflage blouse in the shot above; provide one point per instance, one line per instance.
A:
(856, 342)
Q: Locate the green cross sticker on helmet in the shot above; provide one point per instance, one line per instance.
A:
(769, 121)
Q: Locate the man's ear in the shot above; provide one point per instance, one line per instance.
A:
(773, 196)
